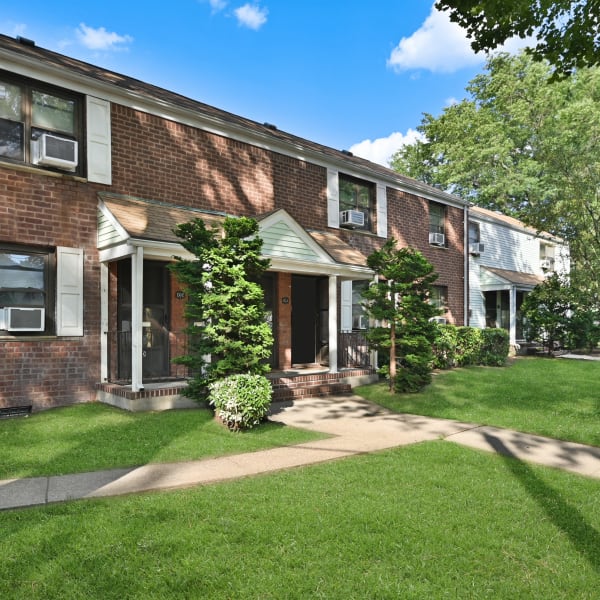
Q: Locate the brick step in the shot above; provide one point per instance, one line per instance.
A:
(296, 390)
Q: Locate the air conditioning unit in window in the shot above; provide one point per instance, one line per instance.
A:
(476, 248)
(24, 319)
(352, 218)
(54, 151)
(439, 320)
(437, 239)
(547, 264)
(363, 322)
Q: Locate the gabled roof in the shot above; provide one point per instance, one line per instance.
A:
(511, 222)
(127, 219)
(266, 133)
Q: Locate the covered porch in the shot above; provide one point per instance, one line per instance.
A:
(142, 304)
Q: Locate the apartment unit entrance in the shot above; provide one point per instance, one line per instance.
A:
(310, 332)
(155, 320)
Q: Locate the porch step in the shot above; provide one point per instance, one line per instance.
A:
(290, 391)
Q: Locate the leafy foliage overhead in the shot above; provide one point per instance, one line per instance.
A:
(565, 31)
(524, 146)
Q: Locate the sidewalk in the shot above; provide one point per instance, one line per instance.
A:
(356, 427)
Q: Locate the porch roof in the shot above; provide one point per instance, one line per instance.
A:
(517, 278)
(124, 219)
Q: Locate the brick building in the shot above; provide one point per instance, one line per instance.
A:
(95, 171)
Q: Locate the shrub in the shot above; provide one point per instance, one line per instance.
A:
(444, 347)
(468, 346)
(494, 347)
(240, 401)
(463, 346)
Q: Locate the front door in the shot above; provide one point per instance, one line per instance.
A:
(309, 319)
(155, 324)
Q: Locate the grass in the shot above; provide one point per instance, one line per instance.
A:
(433, 520)
(558, 398)
(89, 437)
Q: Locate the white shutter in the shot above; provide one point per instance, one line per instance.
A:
(333, 199)
(98, 141)
(382, 211)
(69, 291)
(346, 306)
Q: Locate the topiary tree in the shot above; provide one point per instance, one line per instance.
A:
(399, 301)
(228, 331)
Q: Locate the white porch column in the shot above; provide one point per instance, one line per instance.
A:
(333, 325)
(103, 321)
(137, 308)
(512, 330)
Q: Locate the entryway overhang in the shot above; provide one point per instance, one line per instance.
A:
(139, 229)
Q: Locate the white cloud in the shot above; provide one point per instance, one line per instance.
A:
(251, 15)
(441, 46)
(217, 5)
(438, 45)
(100, 39)
(380, 151)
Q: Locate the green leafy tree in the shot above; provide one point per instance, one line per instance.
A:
(228, 331)
(566, 32)
(524, 147)
(399, 301)
(547, 311)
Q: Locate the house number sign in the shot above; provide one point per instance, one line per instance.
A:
(179, 295)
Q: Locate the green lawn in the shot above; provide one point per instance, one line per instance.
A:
(432, 520)
(90, 437)
(426, 521)
(558, 398)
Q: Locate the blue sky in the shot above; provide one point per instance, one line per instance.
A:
(351, 75)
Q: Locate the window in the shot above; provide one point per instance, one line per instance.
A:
(439, 297)
(41, 290)
(25, 284)
(474, 234)
(360, 319)
(546, 256)
(39, 125)
(437, 224)
(357, 196)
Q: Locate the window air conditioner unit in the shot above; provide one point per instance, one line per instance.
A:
(24, 319)
(437, 239)
(547, 264)
(54, 151)
(363, 322)
(439, 320)
(352, 218)
(476, 248)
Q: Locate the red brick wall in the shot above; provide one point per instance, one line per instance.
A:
(46, 211)
(408, 222)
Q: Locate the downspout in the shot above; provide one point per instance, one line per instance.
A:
(467, 299)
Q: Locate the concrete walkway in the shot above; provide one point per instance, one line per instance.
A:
(356, 427)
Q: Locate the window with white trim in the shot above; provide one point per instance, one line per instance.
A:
(41, 291)
(357, 203)
(437, 224)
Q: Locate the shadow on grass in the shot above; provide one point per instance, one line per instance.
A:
(583, 536)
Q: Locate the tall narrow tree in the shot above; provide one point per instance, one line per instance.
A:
(227, 328)
(400, 302)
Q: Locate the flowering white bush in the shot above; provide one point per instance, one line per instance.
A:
(240, 401)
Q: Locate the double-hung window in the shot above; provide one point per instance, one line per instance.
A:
(41, 291)
(437, 224)
(40, 125)
(357, 203)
